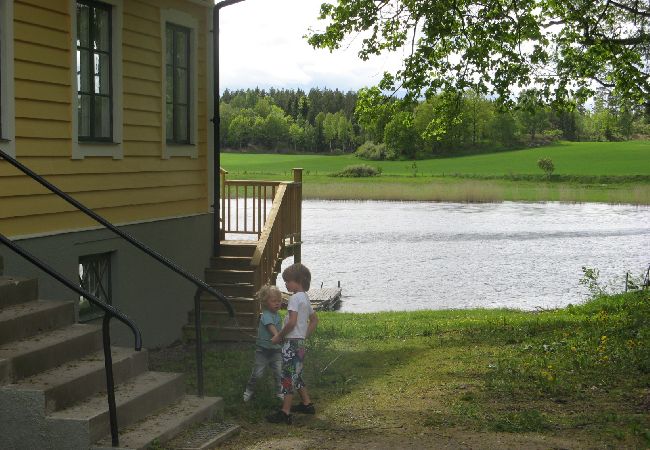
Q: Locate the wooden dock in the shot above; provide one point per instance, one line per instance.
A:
(324, 299)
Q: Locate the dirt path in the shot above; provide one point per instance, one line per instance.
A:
(306, 434)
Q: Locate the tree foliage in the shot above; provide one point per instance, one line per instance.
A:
(499, 47)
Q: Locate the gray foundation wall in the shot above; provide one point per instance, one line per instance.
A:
(153, 296)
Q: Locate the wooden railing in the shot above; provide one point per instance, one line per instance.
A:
(271, 210)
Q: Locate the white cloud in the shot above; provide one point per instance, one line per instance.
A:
(262, 45)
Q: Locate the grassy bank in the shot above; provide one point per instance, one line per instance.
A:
(578, 377)
(585, 172)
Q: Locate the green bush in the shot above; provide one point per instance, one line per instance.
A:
(360, 170)
(374, 152)
(546, 164)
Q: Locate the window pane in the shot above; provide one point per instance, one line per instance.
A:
(102, 74)
(169, 88)
(180, 120)
(82, 25)
(181, 48)
(169, 44)
(84, 114)
(83, 71)
(181, 86)
(102, 33)
(102, 117)
(170, 122)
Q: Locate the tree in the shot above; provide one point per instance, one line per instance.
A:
(330, 129)
(560, 46)
(400, 135)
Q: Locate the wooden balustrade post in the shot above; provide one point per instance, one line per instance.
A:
(297, 178)
(222, 229)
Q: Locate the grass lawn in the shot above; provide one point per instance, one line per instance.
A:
(577, 377)
(584, 172)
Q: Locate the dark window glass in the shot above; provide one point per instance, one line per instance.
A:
(95, 278)
(178, 75)
(94, 79)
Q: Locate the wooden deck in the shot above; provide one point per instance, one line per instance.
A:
(328, 299)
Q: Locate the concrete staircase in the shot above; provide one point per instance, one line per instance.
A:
(230, 273)
(53, 385)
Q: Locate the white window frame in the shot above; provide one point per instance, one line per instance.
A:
(115, 149)
(186, 20)
(7, 96)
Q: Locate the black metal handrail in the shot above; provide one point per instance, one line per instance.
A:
(201, 285)
(109, 312)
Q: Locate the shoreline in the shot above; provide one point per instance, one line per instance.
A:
(475, 191)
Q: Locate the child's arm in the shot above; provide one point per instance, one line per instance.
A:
(272, 329)
(290, 325)
(313, 323)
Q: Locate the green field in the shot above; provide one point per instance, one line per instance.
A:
(575, 158)
(603, 172)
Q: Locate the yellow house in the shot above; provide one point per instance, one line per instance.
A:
(111, 101)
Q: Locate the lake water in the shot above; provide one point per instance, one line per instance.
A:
(424, 255)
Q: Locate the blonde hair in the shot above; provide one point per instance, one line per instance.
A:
(267, 292)
(298, 273)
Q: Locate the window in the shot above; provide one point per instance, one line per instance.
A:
(96, 78)
(177, 95)
(94, 73)
(179, 42)
(95, 278)
(7, 101)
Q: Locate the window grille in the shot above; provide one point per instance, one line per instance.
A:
(94, 77)
(177, 95)
(94, 277)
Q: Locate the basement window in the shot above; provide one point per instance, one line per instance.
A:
(95, 278)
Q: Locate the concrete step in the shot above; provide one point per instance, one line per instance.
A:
(72, 382)
(15, 290)
(221, 333)
(21, 359)
(229, 276)
(235, 289)
(222, 318)
(231, 262)
(238, 248)
(165, 425)
(27, 319)
(139, 397)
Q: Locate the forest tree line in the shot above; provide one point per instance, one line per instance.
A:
(383, 127)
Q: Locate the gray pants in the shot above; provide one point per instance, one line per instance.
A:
(265, 357)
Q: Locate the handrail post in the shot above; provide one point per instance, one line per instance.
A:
(223, 173)
(199, 342)
(297, 179)
(110, 382)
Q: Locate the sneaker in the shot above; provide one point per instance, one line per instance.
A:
(304, 409)
(248, 395)
(280, 417)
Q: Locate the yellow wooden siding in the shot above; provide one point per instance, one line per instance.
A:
(141, 185)
(31, 225)
(93, 182)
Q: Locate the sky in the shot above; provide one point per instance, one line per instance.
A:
(262, 45)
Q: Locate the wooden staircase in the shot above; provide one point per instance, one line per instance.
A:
(269, 211)
(232, 274)
(53, 385)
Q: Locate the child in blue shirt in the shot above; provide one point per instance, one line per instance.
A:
(267, 354)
